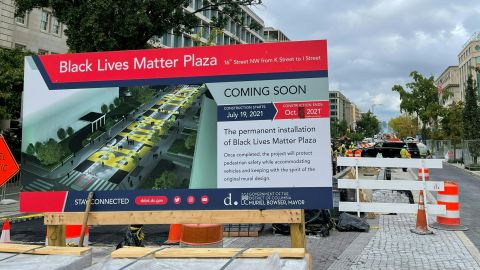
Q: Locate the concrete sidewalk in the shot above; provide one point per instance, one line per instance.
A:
(393, 246)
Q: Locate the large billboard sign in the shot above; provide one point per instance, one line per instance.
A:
(219, 127)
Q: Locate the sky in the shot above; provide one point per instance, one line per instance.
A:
(373, 45)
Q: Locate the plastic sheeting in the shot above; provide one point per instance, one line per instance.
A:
(40, 262)
(271, 263)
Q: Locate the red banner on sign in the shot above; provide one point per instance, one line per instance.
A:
(8, 165)
(264, 58)
(299, 110)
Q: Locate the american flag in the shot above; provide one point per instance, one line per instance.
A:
(440, 88)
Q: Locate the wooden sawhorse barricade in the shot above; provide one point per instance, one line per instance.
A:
(296, 218)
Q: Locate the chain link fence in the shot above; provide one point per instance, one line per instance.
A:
(442, 149)
(471, 154)
(11, 189)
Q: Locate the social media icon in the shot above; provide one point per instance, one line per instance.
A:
(190, 200)
(177, 200)
(204, 199)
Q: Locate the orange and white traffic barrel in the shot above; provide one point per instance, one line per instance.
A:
(358, 153)
(449, 197)
(202, 235)
(349, 153)
(422, 172)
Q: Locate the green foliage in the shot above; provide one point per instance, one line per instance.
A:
(62, 134)
(452, 122)
(105, 25)
(156, 137)
(168, 179)
(11, 82)
(404, 126)
(70, 131)
(142, 94)
(338, 129)
(104, 108)
(368, 124)
(471, 112)
(111, 107)
(117, 102)
(31, 149)
(422, 100)
(191, 140)
(50, 152)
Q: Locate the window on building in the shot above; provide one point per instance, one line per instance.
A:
(44, 21)
(42, 51)
(177, 41)
(187, 42)
(21, 20)
(20, 46)
(56, 26)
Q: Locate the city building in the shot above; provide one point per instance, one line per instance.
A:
(469, 58)
(341, 108)
(353, 115)
(233, 33)
(38, 31)
(449, 81)
(271, 34)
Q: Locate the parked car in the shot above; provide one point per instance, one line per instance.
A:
(391, 150)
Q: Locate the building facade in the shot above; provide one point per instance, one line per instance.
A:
(469, 58)
(233, 33)
(341, 108)
(38, 31)
(271, 34)
(449, 81)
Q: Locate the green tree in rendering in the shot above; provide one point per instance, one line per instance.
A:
(105, 25)
(62, 134)
(191, 140)
(70, 131)
(50, 153)
(31, 149)
(117, 102)
(422, 100)
(471, 120)
(104, 108)
(368, 124)
(111, 107)
(167, 180)
(142, 94)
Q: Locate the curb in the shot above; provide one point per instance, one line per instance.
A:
(462, 169)
(472, 249)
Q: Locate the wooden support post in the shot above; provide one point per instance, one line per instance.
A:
(297, 232)
(56, 235)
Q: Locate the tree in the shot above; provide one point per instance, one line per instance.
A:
(142, 94)
(168, 179)
(471, 121)
(404, 126)
(105, 25)
(104, 108)
(11, 82)
(368, 124)
(50, 152)
(111, 107)
(117, 102)
(31, 149)
(422, 100)
(191, 140)
(70, 131)
(62, 134)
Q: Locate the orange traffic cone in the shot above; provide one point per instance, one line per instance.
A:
(5, 238)
(174, 234)
(421, 227)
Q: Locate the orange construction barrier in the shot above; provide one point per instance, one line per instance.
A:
(5, 237)
(349, 153)
(425, 172)
(358, 153)
(205, 235)
(72, 235)
(174, 234)
(449, 198)
(421, 227)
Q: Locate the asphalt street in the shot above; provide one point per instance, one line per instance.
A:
(469, 193)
